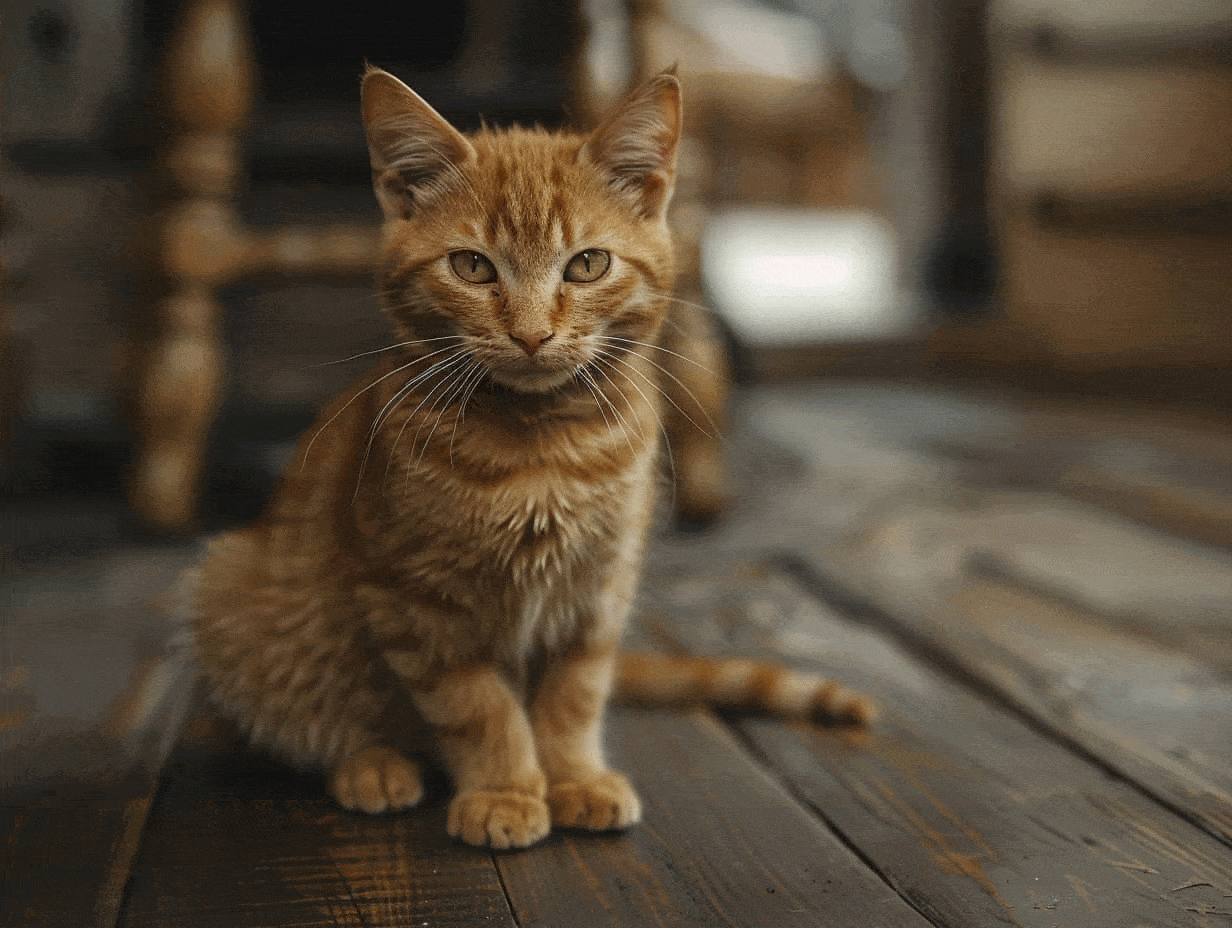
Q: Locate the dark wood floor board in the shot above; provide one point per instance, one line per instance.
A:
(1158, 715)
(1180, 610)
(1145, 532)
(235, 839)
(1152, 713)
(90, 702)
(1005, 479)
(1164, 471)
(1184, 497)
(722, 844)
(973, 847)
(973, 815)
(886, 519)
(65, 856)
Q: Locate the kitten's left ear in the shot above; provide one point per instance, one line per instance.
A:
(415, 152)
(636, 147)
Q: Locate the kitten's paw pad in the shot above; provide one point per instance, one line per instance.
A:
(376, 780)
(602, 803)
(498, 819)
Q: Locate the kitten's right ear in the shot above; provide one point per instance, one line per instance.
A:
(414, 151)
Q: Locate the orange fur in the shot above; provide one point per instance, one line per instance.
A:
(450, 563)
(734, 683)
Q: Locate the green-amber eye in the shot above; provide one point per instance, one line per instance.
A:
(588, 265)
(472, 267)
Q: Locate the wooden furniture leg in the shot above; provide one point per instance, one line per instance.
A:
(202, 244)
(208, 81)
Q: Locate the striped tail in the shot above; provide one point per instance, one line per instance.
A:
(736, 683)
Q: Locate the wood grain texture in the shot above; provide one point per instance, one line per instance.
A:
(721, 843)
(880, 515)
(90, 702)
(238, 840)
(1155, 714)
(913, 544)
(970, 813)
(65, 853)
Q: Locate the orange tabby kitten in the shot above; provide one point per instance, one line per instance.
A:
(450, 564)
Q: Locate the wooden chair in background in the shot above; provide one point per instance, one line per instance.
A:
(202, 245)
(749, 140)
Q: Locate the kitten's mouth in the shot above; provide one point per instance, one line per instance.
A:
(533, 377)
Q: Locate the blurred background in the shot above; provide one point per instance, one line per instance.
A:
(973, 263)
(1024, 204)
(1029, 192)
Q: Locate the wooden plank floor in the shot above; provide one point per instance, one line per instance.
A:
(1039, 595)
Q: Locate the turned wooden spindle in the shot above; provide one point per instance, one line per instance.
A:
(201, 245)
(208, 76)
(10, 380)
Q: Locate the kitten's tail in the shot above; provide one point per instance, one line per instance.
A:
(737, 683)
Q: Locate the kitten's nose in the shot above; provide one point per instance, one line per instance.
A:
(530, 341)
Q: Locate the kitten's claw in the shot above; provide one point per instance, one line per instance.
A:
(377, 779)
(498, 820)
(602, 803)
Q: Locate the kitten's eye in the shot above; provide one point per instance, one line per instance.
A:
(587, 266)
(472, 267)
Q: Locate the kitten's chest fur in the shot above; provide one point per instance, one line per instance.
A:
(491, 540)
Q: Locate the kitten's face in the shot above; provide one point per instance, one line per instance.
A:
(534, 251)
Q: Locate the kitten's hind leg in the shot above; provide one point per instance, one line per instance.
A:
(376, 779)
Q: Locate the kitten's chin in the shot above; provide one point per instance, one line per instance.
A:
(532, 381)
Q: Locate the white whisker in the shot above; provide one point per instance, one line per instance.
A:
(481, 372)
(674, 354)
(439, 369)
(397, 370)
(675, 299)
(612, 361)
(364, 354)
(584, 376)
(455, 382)
(393, 448)
(395, 401)
(624, 428)
(715, 434)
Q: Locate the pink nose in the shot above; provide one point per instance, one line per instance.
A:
(530, 341)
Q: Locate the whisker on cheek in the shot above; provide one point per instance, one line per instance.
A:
(440, 369)
(616, 365)
(394, 402)
(375, 383)
(478, 377)
(405, 344)
(456, 382)
(716, 432)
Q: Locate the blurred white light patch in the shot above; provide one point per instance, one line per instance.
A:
(783, 276)
(759, 38)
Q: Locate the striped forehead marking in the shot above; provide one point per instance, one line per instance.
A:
(530, 208)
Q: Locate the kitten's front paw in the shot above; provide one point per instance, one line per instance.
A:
(498, 819)
(377, 779)
(601, 803)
